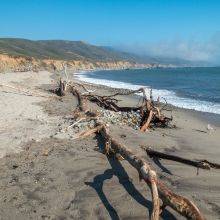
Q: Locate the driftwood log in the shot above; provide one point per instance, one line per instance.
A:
(143, 168)
(109, 103)
(180, 204)
(212, 165)
(81, 101)
(203, 164)
(159, 191)
(60, 91)
(149, 112)
(146, 124)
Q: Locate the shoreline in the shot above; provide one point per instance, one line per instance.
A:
(208, 117)
(169, 95)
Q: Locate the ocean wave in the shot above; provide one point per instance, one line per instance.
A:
(170, 96)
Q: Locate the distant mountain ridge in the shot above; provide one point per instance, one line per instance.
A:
(79, 50)
(27, 55)
(62, 50)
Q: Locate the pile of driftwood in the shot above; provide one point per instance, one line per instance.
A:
(150, 111)
(161, 195)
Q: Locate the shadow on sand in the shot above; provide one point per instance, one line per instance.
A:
(161, 166)
(118, 170)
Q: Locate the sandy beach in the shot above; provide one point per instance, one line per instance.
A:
(47, 174)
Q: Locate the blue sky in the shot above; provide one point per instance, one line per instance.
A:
(123, 23)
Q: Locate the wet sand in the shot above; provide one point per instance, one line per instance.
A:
(46, 174)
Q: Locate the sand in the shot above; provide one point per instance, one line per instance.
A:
(46, 174)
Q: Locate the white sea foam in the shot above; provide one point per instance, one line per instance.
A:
(170, 96)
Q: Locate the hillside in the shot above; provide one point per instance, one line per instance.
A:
(79, 50)
(62, 50)
(21, 54)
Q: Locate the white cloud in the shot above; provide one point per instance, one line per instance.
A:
(193, 50)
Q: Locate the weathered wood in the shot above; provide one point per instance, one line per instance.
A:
(109, 103)
(75, 123)
(158, 190)
(81, 101)
(198, 164)
(141, 90)
(89, 132)
(150, 175)
(212, 165)
(87, 91)
(158, 112)
(180, 204)
(143, 168)
(62, 88)
(146, 124)
(147, 108)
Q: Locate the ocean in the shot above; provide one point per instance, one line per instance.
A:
(195, 88)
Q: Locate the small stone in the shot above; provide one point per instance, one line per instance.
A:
(14, 166)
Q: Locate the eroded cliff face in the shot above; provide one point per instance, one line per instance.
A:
(19, 64)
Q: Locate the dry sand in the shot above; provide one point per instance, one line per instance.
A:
(45, 174)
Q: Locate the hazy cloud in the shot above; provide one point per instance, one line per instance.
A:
(193, 50)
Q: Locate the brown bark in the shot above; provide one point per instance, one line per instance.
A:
(146, 124)
(212, 165)
(62, 88)
(198, 164)
(89, 132)
(81, 100)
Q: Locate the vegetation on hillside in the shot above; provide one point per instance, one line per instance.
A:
(62, 50)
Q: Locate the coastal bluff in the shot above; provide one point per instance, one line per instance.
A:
(23, 64)
(20, 55)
